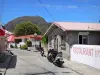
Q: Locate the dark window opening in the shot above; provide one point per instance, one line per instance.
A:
(80, 39)
(83, 39)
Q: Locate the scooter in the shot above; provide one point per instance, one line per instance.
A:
(59, 60)
(51, 55)
(55, 57)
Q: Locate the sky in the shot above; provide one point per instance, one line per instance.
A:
(61, 10)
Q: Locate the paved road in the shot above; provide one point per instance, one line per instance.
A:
(31, 63)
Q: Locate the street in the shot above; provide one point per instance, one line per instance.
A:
(32, 63)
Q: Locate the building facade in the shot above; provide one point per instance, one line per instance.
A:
(61, 38)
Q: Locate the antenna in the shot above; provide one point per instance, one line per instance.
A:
(99, 19)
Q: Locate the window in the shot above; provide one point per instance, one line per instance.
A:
(83, 39)
(80, 39)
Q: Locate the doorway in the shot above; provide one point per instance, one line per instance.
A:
(56, 44)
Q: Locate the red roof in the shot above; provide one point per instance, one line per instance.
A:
(78, 26)
(38, 37)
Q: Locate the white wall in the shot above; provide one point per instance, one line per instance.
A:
(86, 54)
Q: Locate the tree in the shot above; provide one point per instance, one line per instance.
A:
(29, 43)
(26, 28)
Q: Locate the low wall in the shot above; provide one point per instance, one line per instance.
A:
(86, 54)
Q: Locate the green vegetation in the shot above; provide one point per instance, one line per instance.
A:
(11, 46)
(25, 28)
(24, 46)
(29, 43)
(45, 40)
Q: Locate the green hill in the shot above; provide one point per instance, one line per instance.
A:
(42, 24)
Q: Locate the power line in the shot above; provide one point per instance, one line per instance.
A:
(46, 9)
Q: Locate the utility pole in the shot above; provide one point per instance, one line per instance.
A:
(35, 35)
(25, 35)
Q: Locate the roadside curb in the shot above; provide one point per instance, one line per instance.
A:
(80, 68)
(64, 65)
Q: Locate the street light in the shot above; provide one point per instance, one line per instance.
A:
(35, 34)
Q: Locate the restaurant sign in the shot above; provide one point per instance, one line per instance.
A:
(86, 54)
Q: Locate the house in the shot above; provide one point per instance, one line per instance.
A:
(22, 39)
(62, 35)
(34, 39)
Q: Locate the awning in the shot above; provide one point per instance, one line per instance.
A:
(38, 37)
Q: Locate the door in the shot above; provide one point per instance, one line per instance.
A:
(56, 44)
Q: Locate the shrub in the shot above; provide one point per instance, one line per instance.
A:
(11, 46)
(29, 43)
(16, 46)
(24, 46)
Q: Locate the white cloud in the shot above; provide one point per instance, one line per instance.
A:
(59, 6)
(71, 6)
(67, 6)
(95, 6)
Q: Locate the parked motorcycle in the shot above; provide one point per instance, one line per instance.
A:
(42, 51)
(51, 55)
(59, 60)
(37, 47)
(55, 57)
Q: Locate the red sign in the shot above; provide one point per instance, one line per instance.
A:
(83, 51)
(2, 32)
